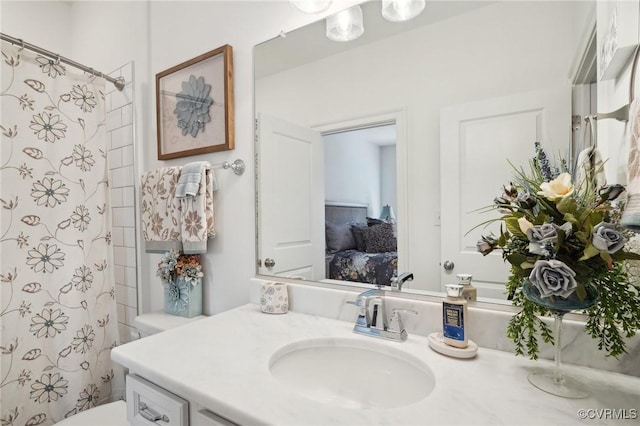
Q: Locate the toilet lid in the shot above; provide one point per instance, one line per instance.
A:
(112, 414)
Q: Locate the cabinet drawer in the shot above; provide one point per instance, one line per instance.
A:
(149, 404)
(204, 417)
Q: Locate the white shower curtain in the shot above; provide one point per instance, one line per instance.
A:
(57, 309)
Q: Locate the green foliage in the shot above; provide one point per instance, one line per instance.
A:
(525, 326)
(617, 315)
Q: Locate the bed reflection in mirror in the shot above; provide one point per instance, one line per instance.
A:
(360, 199)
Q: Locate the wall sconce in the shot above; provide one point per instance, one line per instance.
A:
(401, 10)
(311, 6)
(346, 25)
(387, 213)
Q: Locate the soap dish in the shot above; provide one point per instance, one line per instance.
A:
(437, 344)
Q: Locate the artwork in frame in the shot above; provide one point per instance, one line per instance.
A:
(194, 105)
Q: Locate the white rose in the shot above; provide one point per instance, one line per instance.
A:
(560, 187)
(524, 224)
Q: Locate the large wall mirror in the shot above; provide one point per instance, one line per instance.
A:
(407, 130)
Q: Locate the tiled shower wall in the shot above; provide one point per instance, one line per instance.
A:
(120, 142)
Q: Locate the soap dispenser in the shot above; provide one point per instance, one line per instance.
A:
(469, 292)
(454, 317)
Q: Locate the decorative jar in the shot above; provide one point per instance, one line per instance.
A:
(183, 298)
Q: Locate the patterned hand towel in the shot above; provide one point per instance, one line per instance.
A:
(197, 216)
(190, 178)
(160, 210)
(631, 215)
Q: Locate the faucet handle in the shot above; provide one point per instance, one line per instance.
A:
(396, 325)
(378, 318)
(363, 312)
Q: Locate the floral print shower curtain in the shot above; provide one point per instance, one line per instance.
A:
(57, 311)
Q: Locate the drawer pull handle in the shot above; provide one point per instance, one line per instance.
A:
(151, 415)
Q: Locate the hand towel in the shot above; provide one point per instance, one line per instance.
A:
(160, 210)
(197, 216)
(589, 165)
(190, 178)
(631, 215)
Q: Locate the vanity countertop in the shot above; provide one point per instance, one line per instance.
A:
(222, 363)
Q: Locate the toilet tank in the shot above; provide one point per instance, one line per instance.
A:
(158, 321)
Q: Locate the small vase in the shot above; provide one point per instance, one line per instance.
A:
(182, 298)
(555, 382)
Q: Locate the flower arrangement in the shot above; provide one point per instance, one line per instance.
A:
(174, 265)
(559, 231)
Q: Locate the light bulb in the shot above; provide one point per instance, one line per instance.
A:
(346, 25)
(311, 6)
(401, 10)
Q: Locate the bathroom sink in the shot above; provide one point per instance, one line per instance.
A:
(352, 373)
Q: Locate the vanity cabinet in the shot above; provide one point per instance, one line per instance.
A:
(150, 404)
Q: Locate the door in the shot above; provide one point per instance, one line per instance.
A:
(476, 140)
(291, 200)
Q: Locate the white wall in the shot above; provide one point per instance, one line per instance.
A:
(352, 171)
(43, 23)
(458, 60)
(388, 177)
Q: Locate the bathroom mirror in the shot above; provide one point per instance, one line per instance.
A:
(464, 86)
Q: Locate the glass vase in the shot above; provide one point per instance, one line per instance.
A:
(182, 298)
(556, 382)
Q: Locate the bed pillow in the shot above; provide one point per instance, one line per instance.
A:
(371, 221)
(358, 235)
(339, 237)
(380, 239)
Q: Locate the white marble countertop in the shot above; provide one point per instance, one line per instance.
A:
(222, 363)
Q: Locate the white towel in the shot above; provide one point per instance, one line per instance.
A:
(631, 215)
(589, 165)
(197, 216)
(160, 210)
(191, 178)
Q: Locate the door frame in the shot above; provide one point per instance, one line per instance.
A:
(399, 117)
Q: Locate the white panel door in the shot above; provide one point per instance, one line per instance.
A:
(476, 140)
(291, 199)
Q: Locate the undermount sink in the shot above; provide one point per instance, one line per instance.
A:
(352, 373)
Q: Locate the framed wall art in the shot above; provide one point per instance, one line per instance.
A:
(194, 105)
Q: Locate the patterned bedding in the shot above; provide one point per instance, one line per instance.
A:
(358, 266)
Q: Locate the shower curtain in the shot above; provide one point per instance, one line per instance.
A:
(58, 309)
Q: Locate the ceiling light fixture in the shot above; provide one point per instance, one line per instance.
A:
(401, 10)
(311, 6)
(346, 25)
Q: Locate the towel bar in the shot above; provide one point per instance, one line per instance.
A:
(237, 166)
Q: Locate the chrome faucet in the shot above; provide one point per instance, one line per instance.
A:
(398, 281)
(375, 324)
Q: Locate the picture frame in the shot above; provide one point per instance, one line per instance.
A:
(194, 105)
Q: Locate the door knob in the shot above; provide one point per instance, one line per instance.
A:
(448, 265)
(269, 263)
